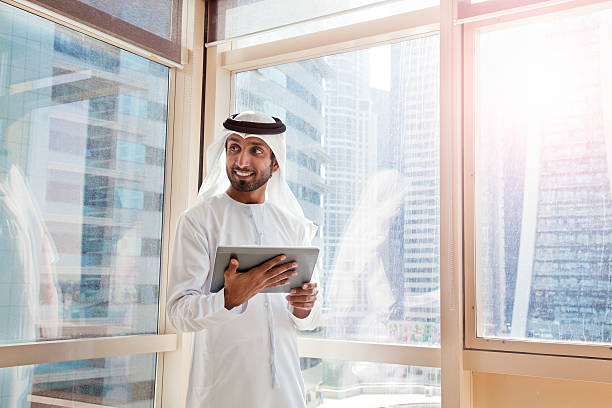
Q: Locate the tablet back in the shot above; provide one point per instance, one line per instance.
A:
(249, 257)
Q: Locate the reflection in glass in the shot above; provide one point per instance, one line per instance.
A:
(152, 16)
(126, 381)
(363, 159)
(82, 146)
(294, 18)
(350, 384)
(543, 180)
(29, 299)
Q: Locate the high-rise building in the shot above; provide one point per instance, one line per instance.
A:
(350, 142)
(371, 158)
(544, 184)
(568, 296)
(85, 123)
(415, 134)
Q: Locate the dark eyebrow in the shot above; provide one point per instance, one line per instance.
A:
(239, 139)
(254, 142)
(234, 139)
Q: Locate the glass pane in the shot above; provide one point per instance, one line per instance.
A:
(230, 19)
(154, 25)
(126, 382)
(543, 176)
(82, 147)
(350, 384)
(154, 16)
(363, 160)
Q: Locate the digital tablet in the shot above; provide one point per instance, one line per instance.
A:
(251, 256)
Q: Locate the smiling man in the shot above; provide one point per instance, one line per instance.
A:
(244, 346)
(242, 152)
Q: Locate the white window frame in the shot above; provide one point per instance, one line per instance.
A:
(223, 63)
(535, 357)
(180, 190)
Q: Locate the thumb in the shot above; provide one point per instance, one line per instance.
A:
(233, 266)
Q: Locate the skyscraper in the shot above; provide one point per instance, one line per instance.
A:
(543, 185)
(350, 142)
(415, 134)
(85, 123)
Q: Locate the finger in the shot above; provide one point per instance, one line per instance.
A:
(271, 262)
(277, 270)
(302, 305)
(233, 266)
(301, 298)
(299, 291)
(279, 283)
(309, 285)
(282, 276)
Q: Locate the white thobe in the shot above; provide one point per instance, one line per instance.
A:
(28, 255)
(246, 357)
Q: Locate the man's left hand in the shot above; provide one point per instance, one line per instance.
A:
(303, 299)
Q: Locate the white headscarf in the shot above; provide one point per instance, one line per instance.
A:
(277, 190)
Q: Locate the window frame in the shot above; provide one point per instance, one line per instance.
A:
(538, 357)
(459, 356)
(222, 65)
(180, 189)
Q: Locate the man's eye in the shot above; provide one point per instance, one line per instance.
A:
(258, 151)
(233, 148)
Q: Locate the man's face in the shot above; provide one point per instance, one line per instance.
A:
(249, 163)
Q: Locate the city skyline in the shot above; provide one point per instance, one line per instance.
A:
(375, 285)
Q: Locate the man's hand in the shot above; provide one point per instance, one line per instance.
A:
(241, 286)
(303, 299)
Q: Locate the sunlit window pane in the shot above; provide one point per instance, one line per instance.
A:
(351, 384)
(543, 176)
(105, 382)
(82, 147)
(363, 160)
(297, 13)
(272, 20)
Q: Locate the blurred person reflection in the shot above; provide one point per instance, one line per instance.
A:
(29, 298)
(361, 293)
(366, 291)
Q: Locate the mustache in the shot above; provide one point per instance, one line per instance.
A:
(244, 169)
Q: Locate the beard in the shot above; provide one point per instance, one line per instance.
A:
(255, 181)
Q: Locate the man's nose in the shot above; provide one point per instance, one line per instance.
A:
(242, 160)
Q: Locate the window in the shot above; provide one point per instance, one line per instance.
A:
(354, 168)
(117, 381)
(543, 184)
(82, 144)
(337, 383)
(232, 20)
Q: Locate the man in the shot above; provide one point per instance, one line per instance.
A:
(244, 347)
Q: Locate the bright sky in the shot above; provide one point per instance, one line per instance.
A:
(380, 67)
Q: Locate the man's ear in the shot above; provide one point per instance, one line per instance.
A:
(274, 165)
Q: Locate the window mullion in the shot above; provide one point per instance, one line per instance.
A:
(368, 351)
(82, 349)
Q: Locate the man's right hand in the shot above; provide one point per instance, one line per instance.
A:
(241, 286)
